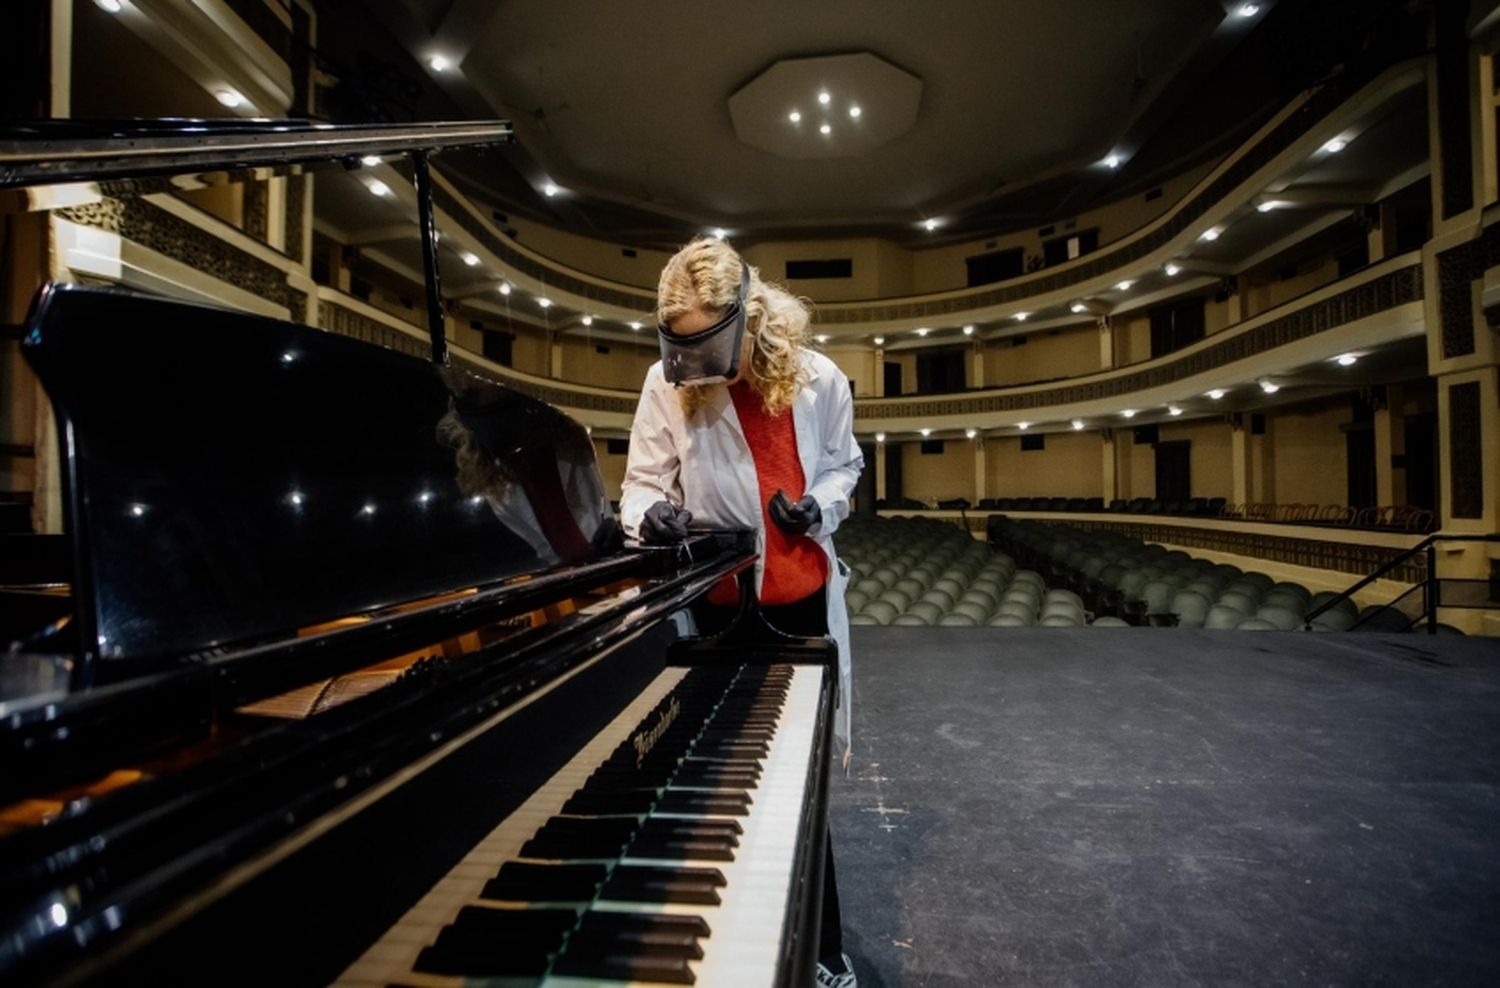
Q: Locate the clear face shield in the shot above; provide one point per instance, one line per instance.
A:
(712, 355)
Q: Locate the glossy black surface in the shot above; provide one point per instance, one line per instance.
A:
(231, 477)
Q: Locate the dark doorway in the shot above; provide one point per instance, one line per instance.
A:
(940, 372)
(1360, 446)
(892, 378)
(1177, 325)
(864, 489)
(1174, 476)
(986, 269)
(893, 490)
(1421, 459)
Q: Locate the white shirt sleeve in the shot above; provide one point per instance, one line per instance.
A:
(652, 466)
(840, 460)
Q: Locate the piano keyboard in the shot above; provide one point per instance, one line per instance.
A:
(662, 853)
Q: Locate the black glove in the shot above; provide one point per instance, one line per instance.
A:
(794, 519)
(664, 524)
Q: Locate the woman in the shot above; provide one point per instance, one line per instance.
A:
(741, 426)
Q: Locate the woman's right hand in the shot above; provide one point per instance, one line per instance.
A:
(664, 524)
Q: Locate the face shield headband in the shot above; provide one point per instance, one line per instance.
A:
(710, 355)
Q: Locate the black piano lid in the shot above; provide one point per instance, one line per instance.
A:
(231, 478)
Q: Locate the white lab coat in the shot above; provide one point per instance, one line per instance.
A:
(704, 464)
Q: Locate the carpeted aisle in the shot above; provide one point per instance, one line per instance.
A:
(1138, 807)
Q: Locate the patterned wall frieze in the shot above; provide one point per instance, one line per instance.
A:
(257, 210)
(1457, 270)
(1466, 464)
(1394, 289)
(293, 216)
(149, 225)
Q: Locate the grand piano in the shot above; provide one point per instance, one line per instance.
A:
(344, 673)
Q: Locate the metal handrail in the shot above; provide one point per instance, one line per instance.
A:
(1429, 603)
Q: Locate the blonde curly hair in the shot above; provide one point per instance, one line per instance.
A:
(707, 272)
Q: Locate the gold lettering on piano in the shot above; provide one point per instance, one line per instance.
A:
(645, 740)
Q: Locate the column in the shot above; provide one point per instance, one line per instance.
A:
(879, 471)
(1390, 446)
(1116, 469)
(555, 354)
(1240, 462)
(879, 383)
(976, 365)
(980, 473)
(1106, 345)
(1236, 304)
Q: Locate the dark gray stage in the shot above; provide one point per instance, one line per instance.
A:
(1153, 807)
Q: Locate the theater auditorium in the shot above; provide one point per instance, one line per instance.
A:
(392, 589)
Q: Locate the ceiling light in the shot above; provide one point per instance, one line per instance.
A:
(378, 187)
(472, 260)
(925, 432)
(1346, 359)
(1078, 425)
(823, 97)
(971, 433)
(439, 63)
(821, 337)
(1174, 410)
(1267, 206)
(854, 112)
(795, 116)
(825, 130)
(545, 303)
(1023, 426)
(1113, 161)
(1336, 145)
(922, 330)
(370, 160)
(1128, 413)
(1269, 387)
(588, 320)
(879, 341)
(1248, 9)
(229, 98)
(969, 330)
(929, 225)
(880, 437)
(635, 325)
(1216, 393)
(1078, 307)
(549, 190)
(504, 288)
(720, 233)
(137, 510)
(1172, 270)
(1022, 316)
(1124, 286)
(1211, 234)
(297, 498)
(368, 509)
(109, 7)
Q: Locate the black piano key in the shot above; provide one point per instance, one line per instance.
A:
(484, 942)
(650, 883)
(683, 848)
(520, 881)
(578, 837)
(627, 967)
(689, 801)
(659, 826)
(611, 803)
(607, 919)
(661, 943)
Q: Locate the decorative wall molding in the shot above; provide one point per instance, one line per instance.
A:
(1389, 291)
(1457, 269)
(293, 217)
(257, 206)
(1465, 432)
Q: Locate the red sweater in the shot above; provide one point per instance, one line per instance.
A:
(795, 566)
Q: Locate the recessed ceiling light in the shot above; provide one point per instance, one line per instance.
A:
(929, 225)
(109, 6)
(1336, 145)
(370, 160)
(378, 187)
(549, 190)
(1113, 161)
(1216, 393)
(971, 433)
(1023, 426)
(635, 325)
(821, 337)
(297, 498)
(879, 341)
(854, 112)
(922, 330)
(1173, 270)
(880, 437)
(720, 233)
(1128, 413)
(137, 510)
(1077, 307)
(1174, 410)
(545, 303)
(1022, 316)
(1124, 286)
(229, 98)
(439, 63)
(1346, 359)
(823, 97)
(795, 116)
(504, 288)
(925, 432)
(1269, 387)
(472, 260)
(1248, 9)
(1078, 425)
(588, 320)
(969, 330)
(1267, 206)
(825, 130)
(1211, 234)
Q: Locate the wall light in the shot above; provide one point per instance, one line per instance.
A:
(1128, 413)
(1336, 145)
(1211, 234)
(1174, 410)
(795, 116)
(821, 337)
(378, 187)
(1124, 286)
(879, 341)
(370, 160)
(1216, 393)
(1022, 316)
(588, 320)
(229, 98)
(880, 437)
(1078, 425)
(922, 330)
(1346, 359)
(971, 433)
(969, 330)
(439, 63)
(472, 260)
(109, 7)
(925, 432)
(1023, 426)
(1172, 269)
(504, 288)
(1270, 387)
(545, 303)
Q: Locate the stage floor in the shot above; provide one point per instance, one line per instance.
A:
(1154, 807)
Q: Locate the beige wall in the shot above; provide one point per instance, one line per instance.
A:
(1044, 356)
(602, 259)
(1072, 465)
(611, 468)
(1209, 460)
(878, 269)
(1132, 339)
(938, 477)
(1262, 293)
(1310, 459)
(623, 367)
(858, 365)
